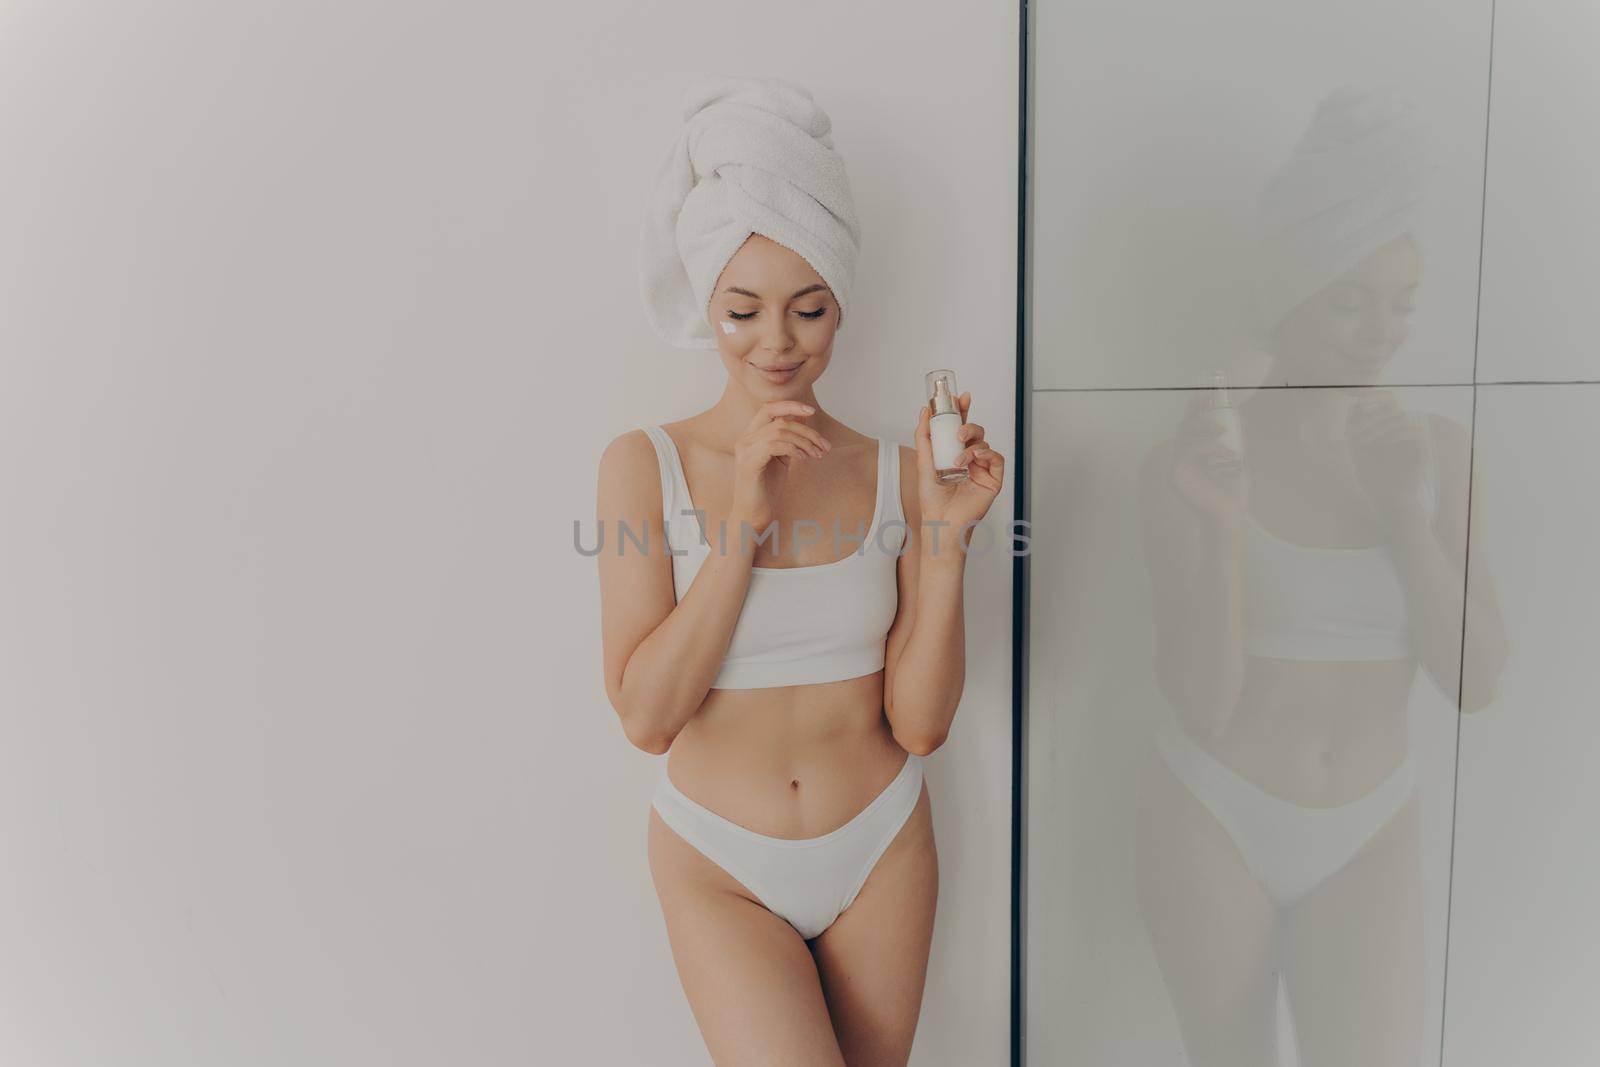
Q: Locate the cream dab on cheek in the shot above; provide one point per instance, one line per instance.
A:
(728, 327)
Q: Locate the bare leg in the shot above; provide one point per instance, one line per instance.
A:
(750, 980)
(874, 958)
(1211, 925)
(1352, 953)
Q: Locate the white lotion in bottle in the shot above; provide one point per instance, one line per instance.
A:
(945, 419)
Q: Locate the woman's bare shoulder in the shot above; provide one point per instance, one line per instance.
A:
(628, 474)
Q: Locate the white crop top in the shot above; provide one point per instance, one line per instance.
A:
(1303, 602)
(798, 625)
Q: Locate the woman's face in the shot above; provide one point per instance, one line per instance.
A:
(774, 319)
(1353, 326)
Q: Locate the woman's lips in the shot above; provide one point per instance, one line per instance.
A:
(779, 375)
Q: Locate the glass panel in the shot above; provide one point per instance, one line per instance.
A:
(1541, 229)
(1524, 937)
(1252, 295)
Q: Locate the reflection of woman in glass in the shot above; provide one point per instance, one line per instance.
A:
(1296, 595)
(797, 682)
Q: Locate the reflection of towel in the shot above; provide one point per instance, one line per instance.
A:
(1353, 183)
(755, 155)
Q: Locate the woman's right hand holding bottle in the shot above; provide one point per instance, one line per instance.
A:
(1208, 475)
(774, 438)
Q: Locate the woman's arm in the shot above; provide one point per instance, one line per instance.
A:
(660, 658)
(1433, 580)
(925, 659)
(1196, 592)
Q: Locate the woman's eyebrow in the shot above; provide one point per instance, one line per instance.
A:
(803, 292)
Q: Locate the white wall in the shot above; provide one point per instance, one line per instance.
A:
(317, 320)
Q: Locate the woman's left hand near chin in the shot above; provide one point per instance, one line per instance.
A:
(966, 501)
(1388, 450)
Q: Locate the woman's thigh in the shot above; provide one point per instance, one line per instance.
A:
(749, 978)
(1211, 926)
(1352, 951)
(873, 959)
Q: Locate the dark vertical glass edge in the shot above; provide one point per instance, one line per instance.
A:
(1020, 571)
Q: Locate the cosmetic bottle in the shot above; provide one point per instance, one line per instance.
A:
(1219, 406)
(945, 419)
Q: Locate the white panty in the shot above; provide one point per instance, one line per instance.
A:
(806, 881)
(1289, 848)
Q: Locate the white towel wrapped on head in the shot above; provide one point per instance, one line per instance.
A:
(754, 155)
(1356, 180)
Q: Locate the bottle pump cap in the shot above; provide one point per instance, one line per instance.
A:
(941, 392)
(1217, 395)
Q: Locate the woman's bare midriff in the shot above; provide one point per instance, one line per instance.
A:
(793, 761)
(1315, 733)
(1318, 734)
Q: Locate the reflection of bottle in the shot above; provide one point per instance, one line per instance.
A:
(944, 421)
(1219, 406)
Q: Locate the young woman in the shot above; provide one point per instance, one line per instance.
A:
(795, 682)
